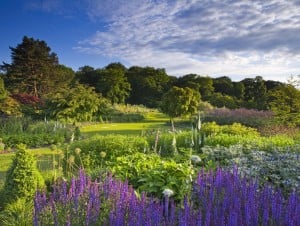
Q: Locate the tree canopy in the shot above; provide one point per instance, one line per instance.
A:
(113, 85)
(78, 103)
(180, 101)
(147, 85)
(35, 75)
(34, 69)
(285, 103)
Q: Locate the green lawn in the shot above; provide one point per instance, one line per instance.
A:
(122, 128)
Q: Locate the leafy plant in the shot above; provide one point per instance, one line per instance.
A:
(149, 173)
(22, 178)
(17, 213)
(113, 145)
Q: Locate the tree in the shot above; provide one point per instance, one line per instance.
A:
(116, 65)
(79, 103)
(87, 75)
(219, 100)
(180, 101)
(113, 85)
(202, 84)
(238, 90)
(223, 85)
(206, 88)
(255, 93)
(34, 69)
(189, 80)
(147, 85)
(284, 101)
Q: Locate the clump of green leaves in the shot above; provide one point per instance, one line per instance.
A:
(149, 173)
(90, 156)
(23, 177)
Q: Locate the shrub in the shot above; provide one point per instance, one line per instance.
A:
(132, 167)
(35, 133)
(278, 167)
(212, 128)
(32, 140)
(14, 125)
(148, 173)
(112, 145)
(22, 178)
(248, 117)
(256, 142)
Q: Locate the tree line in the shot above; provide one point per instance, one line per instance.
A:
(35, 82)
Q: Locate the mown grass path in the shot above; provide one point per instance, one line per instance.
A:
(152, 121)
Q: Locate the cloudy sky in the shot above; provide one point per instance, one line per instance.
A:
(235, 38)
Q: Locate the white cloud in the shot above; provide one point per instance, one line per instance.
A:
(211, 37)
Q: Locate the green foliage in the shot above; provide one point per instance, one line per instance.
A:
(113, 85)
(17, 213)
(9, 106)
(131, 167)
(150, 174)
(212, 128)
(147, 85)
(285, 103)
(255, 93)
(112, 145)
(180, 101)
(223, 85)
(168, 174)
(79, 103)
(222, 100)
(16, 131)
(163, 142)
(262, 143)
(33, 140)
(34, 69)
(22, 178)
(279, 166)
(14, 125)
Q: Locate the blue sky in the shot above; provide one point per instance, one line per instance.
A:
(231, 38)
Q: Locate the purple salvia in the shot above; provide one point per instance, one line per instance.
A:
(54, 212)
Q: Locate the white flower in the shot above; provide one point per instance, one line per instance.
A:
(168, 192)
(195, 159)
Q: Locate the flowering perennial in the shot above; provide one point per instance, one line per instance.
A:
(217, 198)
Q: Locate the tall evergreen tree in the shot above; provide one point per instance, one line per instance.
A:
(34, 69)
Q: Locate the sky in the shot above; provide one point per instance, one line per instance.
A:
(239, 39)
